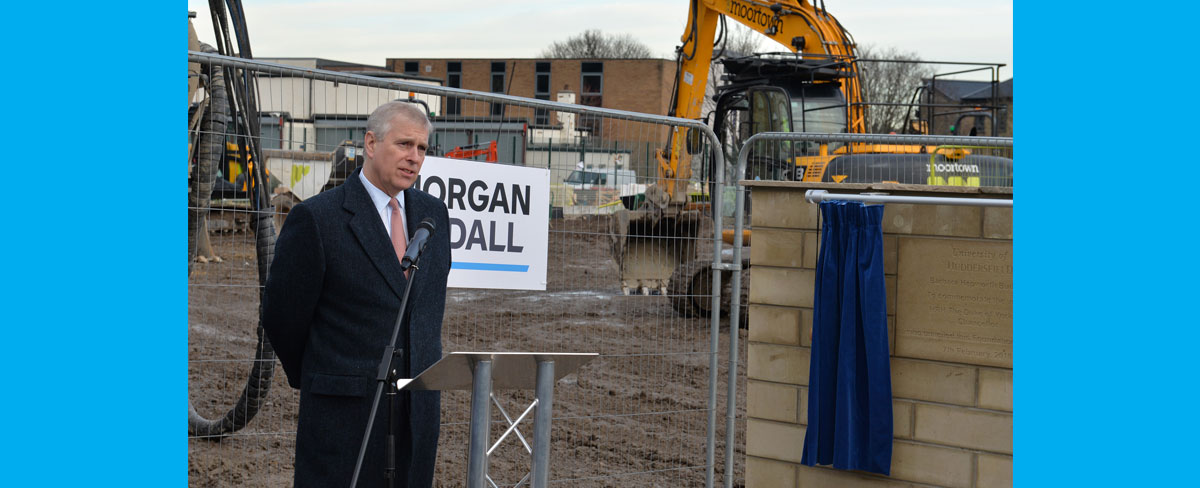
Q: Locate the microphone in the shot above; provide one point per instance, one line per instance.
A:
(417, 244)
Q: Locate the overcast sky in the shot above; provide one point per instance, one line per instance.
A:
(369, 31)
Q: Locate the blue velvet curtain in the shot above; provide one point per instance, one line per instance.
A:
(850, 385)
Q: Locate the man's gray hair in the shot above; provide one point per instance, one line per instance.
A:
(380, 121)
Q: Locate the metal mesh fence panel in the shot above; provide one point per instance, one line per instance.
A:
(881, 158)
(241, 413)
(641, 414)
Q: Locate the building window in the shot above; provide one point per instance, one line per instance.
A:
(454, 80)
(591, 90)
(271, 133)
(497, 86)
(541, 116)
(410, 67)
(592, 84)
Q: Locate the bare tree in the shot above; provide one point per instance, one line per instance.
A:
(892, 78)
(593, 44)
(742, 41)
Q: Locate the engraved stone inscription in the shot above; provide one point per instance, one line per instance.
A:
(954, 301)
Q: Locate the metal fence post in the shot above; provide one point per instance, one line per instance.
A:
(541, 424)
(481, 403)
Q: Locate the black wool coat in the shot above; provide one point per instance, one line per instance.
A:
(330, 305)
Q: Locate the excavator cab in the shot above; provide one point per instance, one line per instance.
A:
(653, 242)
(770, 110)
(762, 93)
(818, 108)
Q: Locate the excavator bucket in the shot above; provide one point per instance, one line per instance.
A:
(649, 244)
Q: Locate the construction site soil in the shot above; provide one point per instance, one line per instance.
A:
(637, 416)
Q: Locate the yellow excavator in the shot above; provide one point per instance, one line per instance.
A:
(814, 87)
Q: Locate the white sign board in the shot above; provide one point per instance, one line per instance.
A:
(499, 221)
(305, 178)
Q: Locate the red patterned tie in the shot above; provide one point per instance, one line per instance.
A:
(399, 233)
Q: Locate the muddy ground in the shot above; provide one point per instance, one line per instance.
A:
(634, 417)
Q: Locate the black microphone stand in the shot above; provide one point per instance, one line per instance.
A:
(387, 374)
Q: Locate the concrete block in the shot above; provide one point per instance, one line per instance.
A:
(782, 286)
(995, 389)
(783, 209)
(769, 473)
(889, 285)
(902, 419)
(778, 247)
(933, 382)
(891, 251)
(806, 321)
(994, 471)
(898, 218)
(811, 250)
(947, 220)
(774, 440)
(775, 325)
(802, 412)
(941, 466)
(997, 223)
(779, 364)
(772, 401)
(962, 427)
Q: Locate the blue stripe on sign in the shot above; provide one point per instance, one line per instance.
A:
(518, 268)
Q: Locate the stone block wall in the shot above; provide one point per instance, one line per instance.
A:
(948, 273)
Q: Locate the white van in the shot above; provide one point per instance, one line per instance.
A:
(597, 178)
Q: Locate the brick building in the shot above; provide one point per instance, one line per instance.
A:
(637, 85)
(984, 96)
(557, 141)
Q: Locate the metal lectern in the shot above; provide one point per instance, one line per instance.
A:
(481, 372)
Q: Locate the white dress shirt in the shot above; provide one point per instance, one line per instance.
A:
(381, 199)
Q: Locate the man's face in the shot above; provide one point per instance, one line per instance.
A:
(394, 159)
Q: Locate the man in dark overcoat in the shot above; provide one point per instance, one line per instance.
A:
(331, 301)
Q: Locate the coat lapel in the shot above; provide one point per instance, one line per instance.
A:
(371, 234)
(415, 209)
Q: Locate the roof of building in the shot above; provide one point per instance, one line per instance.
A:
(322, 63)
(1004, 90)
(964, 89)
(347, 67)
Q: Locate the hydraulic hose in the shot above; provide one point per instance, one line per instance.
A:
(212, 149)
